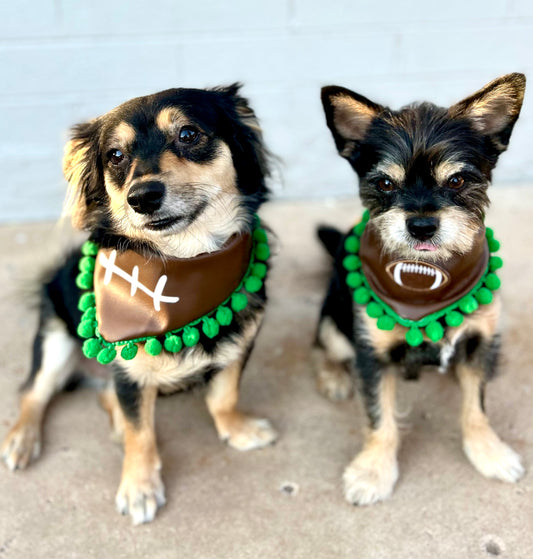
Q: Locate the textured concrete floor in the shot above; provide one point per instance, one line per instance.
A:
(226, 504)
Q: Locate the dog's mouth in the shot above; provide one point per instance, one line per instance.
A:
(163, 223)
(425, 247)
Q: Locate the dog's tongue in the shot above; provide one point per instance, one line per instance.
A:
(425, 246)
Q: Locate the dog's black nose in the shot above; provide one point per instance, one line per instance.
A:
(422, 228)
(146, 197)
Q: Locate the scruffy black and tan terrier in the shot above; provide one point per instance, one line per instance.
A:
(424, 173)
(170, 179)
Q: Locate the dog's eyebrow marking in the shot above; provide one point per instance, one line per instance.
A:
(124, 134)
(393, 170)
(169, 119)
(446, 169)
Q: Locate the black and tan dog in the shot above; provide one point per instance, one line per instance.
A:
(424, 173)
(170, 176)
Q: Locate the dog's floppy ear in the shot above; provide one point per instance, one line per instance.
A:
(494, 109)
(348, 116)
(81, 169)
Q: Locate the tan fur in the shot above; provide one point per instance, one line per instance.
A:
(74, 162)
(170, 119)
(392, 170)
(122, 136)
(351, 118)
(443, 171)
(374, 471)
(109, 402)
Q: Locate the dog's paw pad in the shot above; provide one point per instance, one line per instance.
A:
(248, 433)
(21, 446)
(140, 498)
(365, 485)
(493, 458)
(335, 385)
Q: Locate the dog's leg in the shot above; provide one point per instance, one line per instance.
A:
(374, 471)
(333, 356)
(141, 490)
(109, 402)
(489, 455)
(240, 431)
(55, 354)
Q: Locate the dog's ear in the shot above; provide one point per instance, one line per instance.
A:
(494, 109)
(81, 169)
(348, 116)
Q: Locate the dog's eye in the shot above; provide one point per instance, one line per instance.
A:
(386, 185)
(188, 135)
(456, 181)
(116, 157)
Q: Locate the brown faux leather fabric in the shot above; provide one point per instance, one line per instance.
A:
(414, 289)
(133, 298)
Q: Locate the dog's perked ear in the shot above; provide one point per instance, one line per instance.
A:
(81, 167)
(494, 109)
(348, 116)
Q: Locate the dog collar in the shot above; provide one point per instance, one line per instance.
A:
(129, 300)
(419, 295)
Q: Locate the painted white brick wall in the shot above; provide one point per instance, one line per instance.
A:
(63, 61)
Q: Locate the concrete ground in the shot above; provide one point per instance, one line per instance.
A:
(226, 504)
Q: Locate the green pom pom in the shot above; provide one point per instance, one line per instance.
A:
(238, 301)
(359, 228)
(88, 248)
(89, 314)
(129, 351)
(91, 347)
(494, 245)
(86, 301)
(435, 331)
(385, 322)
(361, 296)
(352, 244)
(354, 280)
(106, 355)
(86, 264)
(492, 281)
(366, 216)
(374, 310)
(84, 280)
(484, 296)
(259, 270)
(351, 262)
(495, 263)
(224, 316)
(86, 329)
(173, 343)
(153, 346)
(210, 327)
(252, 284)
(414, 337)
(190, 335)
(468, 304)
(454, 319)
(260, 235)
(489, 233)
(262, 252)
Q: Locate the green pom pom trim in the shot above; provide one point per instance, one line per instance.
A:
(239, 301)
(86, 301)
(495, 263)
(91, 347)
(494, 245)
(385, 323)
(260, 235)
(190, 336)
(106, 355)
(454, 319)
(153, 346)
(129, 352)
(362, 295)
(84, 280)
(352, 244)
(173, 343)
(89, 314)
(252, 284)
(351, 262)
(468, 304)
(210, 327)
(489, 233)
(89, 248)
(435, 331)
(354, 280)
(262, 251)
(359, 228)
(366, 216)
(86, 329)
(484, 296)
(259, 270)
(492, 281)
(86, 264)
(414, 337)
(224, 316)
(374, 310)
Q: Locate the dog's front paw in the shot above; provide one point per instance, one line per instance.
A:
(140, 497)
(334, 383)
(244, 432)
(492, 457)
(21, 445)
(368, 480)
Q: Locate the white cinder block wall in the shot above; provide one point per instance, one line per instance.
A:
(63, 61)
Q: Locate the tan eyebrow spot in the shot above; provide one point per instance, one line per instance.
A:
(446, 169)
(124, 134)
(393, 170)
(169, 119)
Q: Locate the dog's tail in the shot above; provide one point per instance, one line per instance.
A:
(330, 237)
